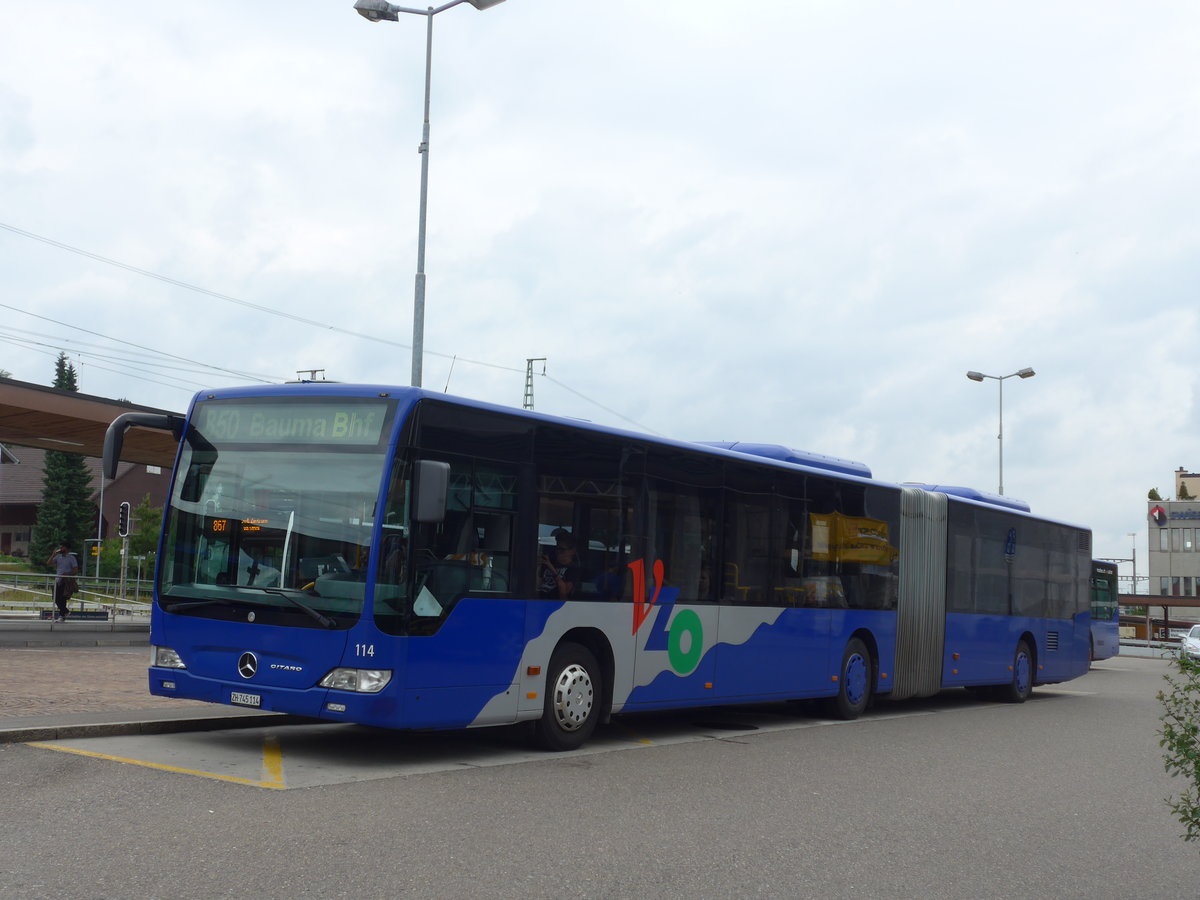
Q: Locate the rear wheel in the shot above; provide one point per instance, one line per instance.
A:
(572, 704)
(1021, 686)
(854, 682)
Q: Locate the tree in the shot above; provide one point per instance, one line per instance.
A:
(66, 512)
(1180, 740)
(147, 525)
(1154, 495)
(1184, 493)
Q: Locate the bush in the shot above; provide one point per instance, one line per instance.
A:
(1180, 740)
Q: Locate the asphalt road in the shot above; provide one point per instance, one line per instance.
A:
(943, 798)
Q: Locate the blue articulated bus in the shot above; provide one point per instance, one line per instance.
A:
(401, 558)
(1106, 613)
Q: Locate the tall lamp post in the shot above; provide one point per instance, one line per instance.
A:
(999, 379)
(381, 10)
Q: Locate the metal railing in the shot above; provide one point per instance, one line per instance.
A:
(32, 592)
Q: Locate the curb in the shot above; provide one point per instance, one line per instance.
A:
(73, 634)
(73, 641)
(51, 732)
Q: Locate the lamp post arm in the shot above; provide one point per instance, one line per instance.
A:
(431, 11)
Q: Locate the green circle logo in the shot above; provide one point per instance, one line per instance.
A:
(686, 622)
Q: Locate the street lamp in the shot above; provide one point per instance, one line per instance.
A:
(999, 379)
(381, 10)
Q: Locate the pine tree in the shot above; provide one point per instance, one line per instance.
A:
(67, 512)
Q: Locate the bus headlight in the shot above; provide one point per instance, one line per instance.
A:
(361, 681)
(165, 658)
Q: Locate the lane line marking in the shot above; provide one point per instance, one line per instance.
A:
(162, 767)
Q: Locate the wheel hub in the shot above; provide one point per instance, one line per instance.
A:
(856, 678)
(573, 697)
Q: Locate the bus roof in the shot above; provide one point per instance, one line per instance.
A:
(770, 452)
(968, 493)
(796, 457)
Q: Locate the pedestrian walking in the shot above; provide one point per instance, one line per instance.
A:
(66, 567)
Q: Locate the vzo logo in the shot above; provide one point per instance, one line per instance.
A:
(684, 638)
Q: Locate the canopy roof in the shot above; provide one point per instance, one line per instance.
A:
(32, 415)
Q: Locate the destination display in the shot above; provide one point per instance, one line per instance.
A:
(345, 423)
(225, 527)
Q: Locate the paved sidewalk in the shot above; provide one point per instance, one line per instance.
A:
(50, 691)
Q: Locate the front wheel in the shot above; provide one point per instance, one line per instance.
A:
(854, 683)
(1021, 686)
(572, 704)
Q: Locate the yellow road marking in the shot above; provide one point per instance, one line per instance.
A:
(633, 735)
(272, 764)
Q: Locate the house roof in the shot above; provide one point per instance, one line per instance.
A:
(22, 474)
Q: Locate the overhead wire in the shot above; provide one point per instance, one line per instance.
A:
(176, 282)
(209, 366)
(138, 362)
(151, 358)
(132, 368)
(166, 279)
(85, 359)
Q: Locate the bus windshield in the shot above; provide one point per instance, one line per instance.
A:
(272, 510)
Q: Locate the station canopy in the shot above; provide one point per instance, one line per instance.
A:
(32, 415)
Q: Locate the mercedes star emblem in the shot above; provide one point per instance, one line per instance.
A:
(247, 665)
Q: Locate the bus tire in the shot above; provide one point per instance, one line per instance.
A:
(572, 704)
(1021, 685)
(854, 683)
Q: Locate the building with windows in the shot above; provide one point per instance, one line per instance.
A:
(1174, 527)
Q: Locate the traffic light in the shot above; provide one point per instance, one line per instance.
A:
(123, 519)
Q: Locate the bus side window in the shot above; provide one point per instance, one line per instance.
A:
(747, 549)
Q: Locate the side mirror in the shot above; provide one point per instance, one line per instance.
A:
(115, 436)
(431, 485)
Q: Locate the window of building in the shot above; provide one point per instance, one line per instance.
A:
(1164, 540)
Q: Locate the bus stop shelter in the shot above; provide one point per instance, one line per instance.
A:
(32, 415)
(1155, 627)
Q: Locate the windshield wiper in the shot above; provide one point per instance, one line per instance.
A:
(286, 595)
(192, 604)
(228, 601)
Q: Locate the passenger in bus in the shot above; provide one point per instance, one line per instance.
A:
(559, 571)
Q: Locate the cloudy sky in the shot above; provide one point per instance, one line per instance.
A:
(791, 221)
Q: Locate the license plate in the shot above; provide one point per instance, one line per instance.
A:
(245, 699)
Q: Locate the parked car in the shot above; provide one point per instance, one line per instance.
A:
(1189, 647)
